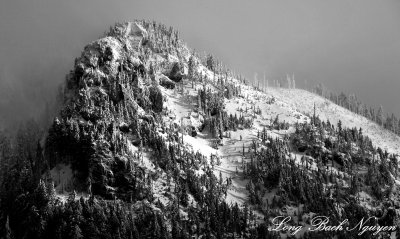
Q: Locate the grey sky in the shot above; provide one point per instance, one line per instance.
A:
(351, 45)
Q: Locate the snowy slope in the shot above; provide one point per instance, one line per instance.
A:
(303, 102)
(291, 105)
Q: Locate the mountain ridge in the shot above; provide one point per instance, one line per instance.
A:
(175, 142)
(181, 103)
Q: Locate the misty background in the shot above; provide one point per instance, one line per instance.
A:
(348, 45)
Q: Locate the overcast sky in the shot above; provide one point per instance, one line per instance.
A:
(348, 45)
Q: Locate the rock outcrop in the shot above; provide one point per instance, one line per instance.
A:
(107, 97)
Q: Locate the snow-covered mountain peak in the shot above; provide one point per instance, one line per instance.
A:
(151, 123)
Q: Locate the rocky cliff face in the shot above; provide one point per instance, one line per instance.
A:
(110, 100)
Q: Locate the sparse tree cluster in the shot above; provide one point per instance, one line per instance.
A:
(352, 103)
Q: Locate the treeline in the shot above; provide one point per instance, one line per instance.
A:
(388, 121)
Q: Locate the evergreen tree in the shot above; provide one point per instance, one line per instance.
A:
(379, 116)
(210, 62)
